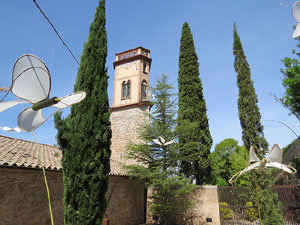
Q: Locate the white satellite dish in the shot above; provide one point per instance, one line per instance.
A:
(296, 15)
(31, 82)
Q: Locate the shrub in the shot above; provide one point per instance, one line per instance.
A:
(251, 212)
(225, 211)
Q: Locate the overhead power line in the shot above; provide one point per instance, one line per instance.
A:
(56, 31)
(285, 126)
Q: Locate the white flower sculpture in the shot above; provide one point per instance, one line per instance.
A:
(273, 160)
(296, 15)
(162, 142)
(31, 82)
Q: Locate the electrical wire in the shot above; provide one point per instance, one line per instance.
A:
(284, 125)
(56, 31)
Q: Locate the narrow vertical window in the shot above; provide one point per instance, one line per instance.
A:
(128, 89)
(124, 90)
(144, 68)
(144, 88)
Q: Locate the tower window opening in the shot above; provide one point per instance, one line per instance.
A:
(126, 89)
(144, 90)
(144, 68)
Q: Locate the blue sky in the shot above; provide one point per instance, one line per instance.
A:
(265, 28)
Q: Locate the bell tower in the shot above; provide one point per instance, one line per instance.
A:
(130, 101)
(132, 69)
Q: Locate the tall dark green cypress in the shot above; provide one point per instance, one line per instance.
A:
(247, 102)
(253, 135)
(193, 129)
(85, 134)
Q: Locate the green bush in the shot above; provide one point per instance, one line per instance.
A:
(251, 212)
(225, 211)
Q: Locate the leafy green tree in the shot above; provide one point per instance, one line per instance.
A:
(157, 164)
(291, 82)
(193, 129)
(247, 103)
(85, 134)
(227, 159)
(269, 204)
(239, 159)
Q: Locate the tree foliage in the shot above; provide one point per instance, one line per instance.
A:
(253, 136)
(85, 134)
(193, 129)
(247, 103)
(158, 164)
(291, 83)
(227, 159)
(270, 206)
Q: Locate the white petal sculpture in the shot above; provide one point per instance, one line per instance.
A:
(31, 81)
(274, 160)
(296, 15)
(17, 129)
(162, 142)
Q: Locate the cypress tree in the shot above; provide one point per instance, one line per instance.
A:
(247, 102)
(193, 129)
(270, 207)
(85, 134)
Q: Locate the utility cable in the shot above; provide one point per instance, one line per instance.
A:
(56, 31)
(284, 125)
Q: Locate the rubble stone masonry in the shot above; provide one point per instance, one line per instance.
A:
(125, 123)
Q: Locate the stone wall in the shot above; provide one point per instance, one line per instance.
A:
(207, 206)
(125, 123)
(23, 198)
(205, 211)
(126, 201)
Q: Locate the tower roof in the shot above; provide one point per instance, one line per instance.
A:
(131, 55)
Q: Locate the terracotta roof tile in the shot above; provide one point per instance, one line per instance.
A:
(292, 153)
(21, 153)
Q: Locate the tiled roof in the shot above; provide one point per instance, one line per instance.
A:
(292, 153)
(116, 168)
(21, 153)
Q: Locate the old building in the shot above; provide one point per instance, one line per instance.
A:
(130, 99)
(22, 189)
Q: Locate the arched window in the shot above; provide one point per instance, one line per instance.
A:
(144, 88)
(124, 89)
(128, 89)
